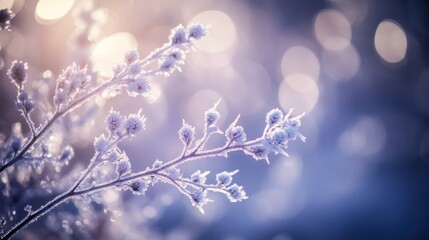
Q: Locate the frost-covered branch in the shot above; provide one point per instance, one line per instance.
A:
(278, 132)
(73, 88)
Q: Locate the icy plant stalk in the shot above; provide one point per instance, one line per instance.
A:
(278, 132)
(73, 88)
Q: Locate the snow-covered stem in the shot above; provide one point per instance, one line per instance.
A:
(274, 139)
(124, 77)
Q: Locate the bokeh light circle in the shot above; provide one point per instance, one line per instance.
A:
(300, 59)
(390, 41)
(49, 11)
(298, 91)
(332, 29)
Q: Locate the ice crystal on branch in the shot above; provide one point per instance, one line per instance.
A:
(18, 73)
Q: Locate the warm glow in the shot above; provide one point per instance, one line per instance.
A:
(6, 4)
(222, 32)
(48, 11)
(110, 51)
(390, 41)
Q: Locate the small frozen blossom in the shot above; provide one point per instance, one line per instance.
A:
(78, 78)
(123, 167)
(274, 116)
(118, 69)
(197, 31)
(236, 134)
(67, 153)
(27, 105)
(135, 68)
(186, 133)
(291, 132)
(139, 86)
(18, 73)
(157, 164)
(236, 193)
(294, 122)
(259, 152)
(199, 177)
(134, 123)
(113, 121)
(225, 178)
(173, 173)
(131, 56)
(15, 144)
(199, 199)
(178, 35)
(179, 55)
(212, 115)
(278, 137)
(168, 64)
(138, 187)
(113, 156)
(100, 144)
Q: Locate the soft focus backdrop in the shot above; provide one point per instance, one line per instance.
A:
(358, 68)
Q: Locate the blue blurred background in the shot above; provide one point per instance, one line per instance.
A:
(358, 68)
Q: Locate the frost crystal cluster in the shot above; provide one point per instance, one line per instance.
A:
(24, 156)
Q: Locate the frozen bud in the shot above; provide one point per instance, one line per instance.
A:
(178, 35)
(274, 116)
(113, 121)
(211, 117)
(178, 55)
(100, 144)
(60, 97)
(67, 153)
(225, 178)
(5, 16)
(197, 31)
(138, 187)
(113, 156)
(198, 177)
(199, 198)
(186, 133)
(23, 96)
(123, 167)
(157, 164)
(140, 86)
(236, 134)
(15, 144)
(291, 132)
(278, 136)
(236, 193)
(168, 64)
(78, 78)
(294, 122)
(28, 105)
(173, 172)
(135, 68)
(118, 69)
(134, 124)
(131, 56)
(18, 73)
(259, 152)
